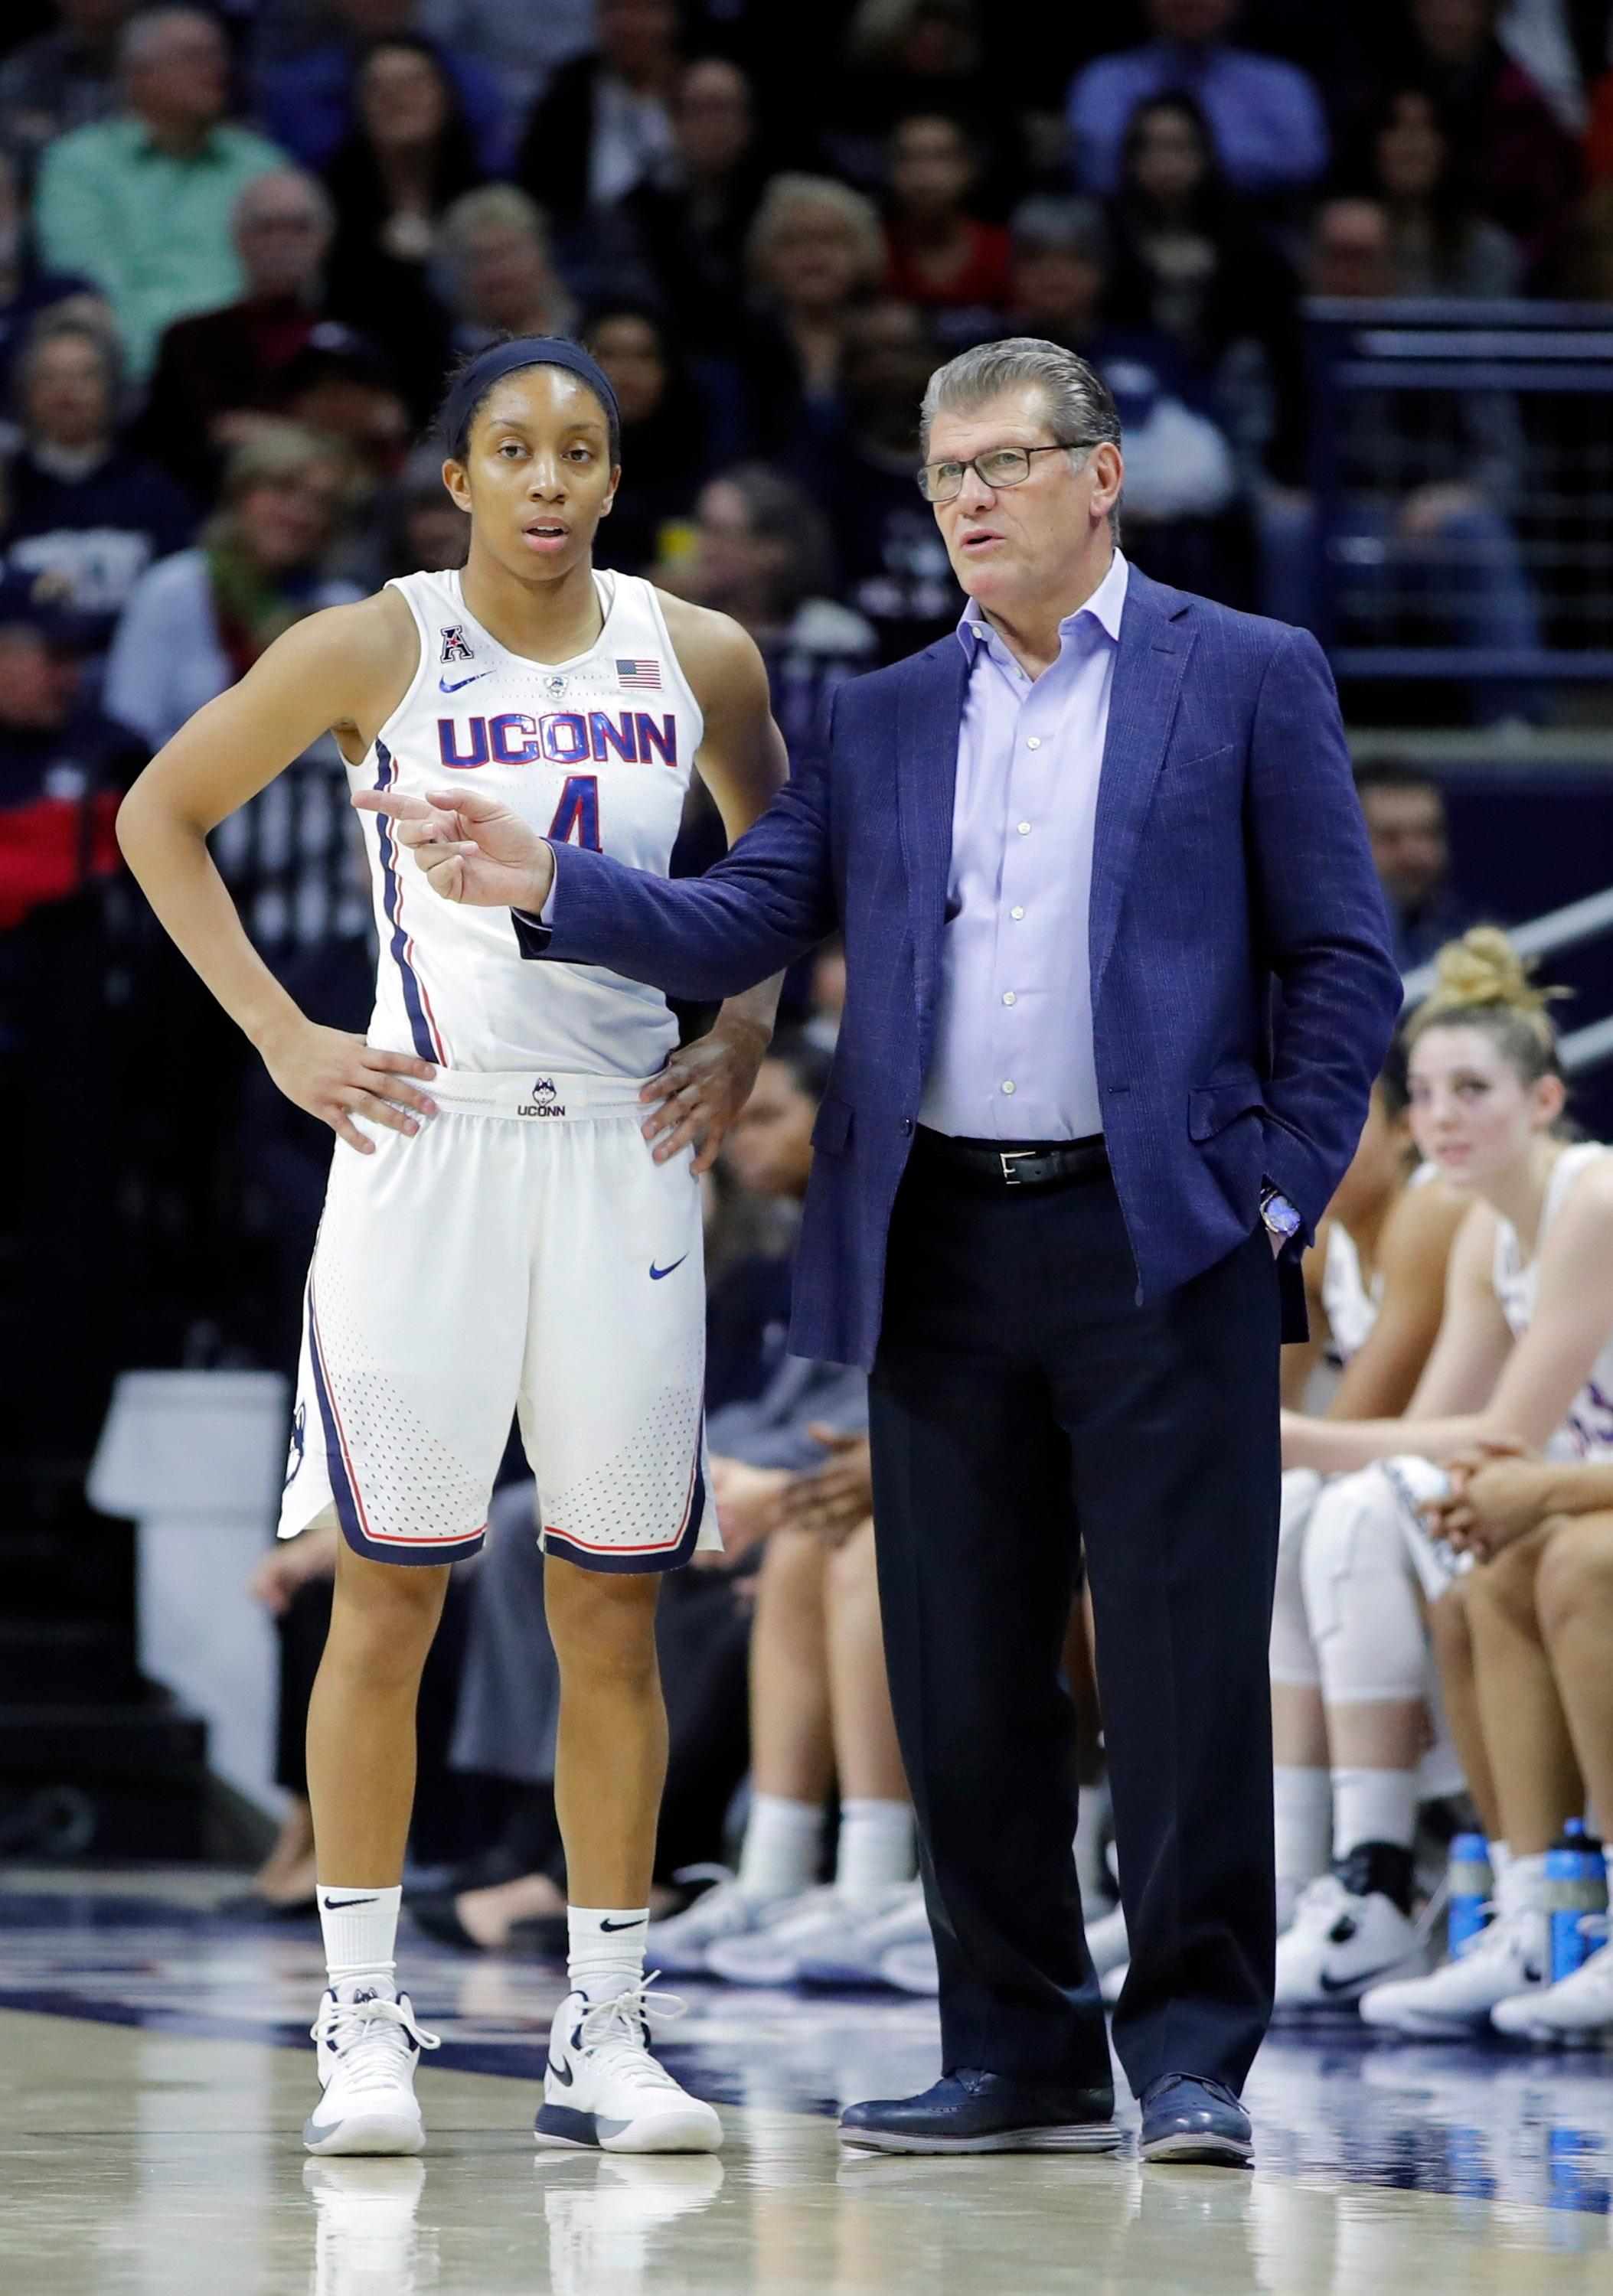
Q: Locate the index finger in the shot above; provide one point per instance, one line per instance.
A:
(400, 1063)
(397, 804)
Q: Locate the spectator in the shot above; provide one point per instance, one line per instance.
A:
(663, 433)
(410, 155)
(1440, 245)
(606, 122)
(1419, 525)
(64, 768)
(814, 252)
(762, 554)
(424, 528)
(60, 79)
(1525, 170)
(217, 376)
(905, 58)
(341, 387)
(1405, 816)
(518, 44)
(940, 256)
(495, 268)
(1190, 263)
(1181, 483)
(26, 291)
(141, 204)
(1266, 116)
(892, 558)
(197, 621)
(82, 513)
(685, 223)
(310, 103)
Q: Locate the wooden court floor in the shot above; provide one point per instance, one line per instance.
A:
(154, 2074)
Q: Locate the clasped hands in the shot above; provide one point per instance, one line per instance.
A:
(1498, 1494)
(831, 1500)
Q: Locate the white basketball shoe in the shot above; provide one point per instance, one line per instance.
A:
(678, 1946)
(604, 2091)
(819, 1926)
(1505, 1961)
(849, 1951)
(912, 1968)
(1577, 2011)
(1339, 1944)
(368, 2047)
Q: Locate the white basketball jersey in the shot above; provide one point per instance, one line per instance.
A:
(1587, 1427)
(1351, 1308)
(597, 751)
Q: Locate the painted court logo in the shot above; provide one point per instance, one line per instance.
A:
(453, 647)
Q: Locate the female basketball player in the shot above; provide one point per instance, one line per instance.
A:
(1525, 1354)
(498, 1238)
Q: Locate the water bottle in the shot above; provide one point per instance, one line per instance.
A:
(1576, 1884)
(1472, 1887)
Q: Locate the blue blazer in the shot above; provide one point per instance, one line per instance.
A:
(1243, 991)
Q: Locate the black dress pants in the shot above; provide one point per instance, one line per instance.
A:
(1020, 1401)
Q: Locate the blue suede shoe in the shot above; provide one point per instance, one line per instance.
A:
(1185, 2118)
(970, 2111)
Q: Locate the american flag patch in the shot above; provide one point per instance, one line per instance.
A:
(641, 673)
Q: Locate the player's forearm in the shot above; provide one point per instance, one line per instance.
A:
(755, 1010)
(1575, 1487)
(168, 859)
(1338, 1447)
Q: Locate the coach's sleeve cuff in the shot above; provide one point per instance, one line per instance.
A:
(534, 933)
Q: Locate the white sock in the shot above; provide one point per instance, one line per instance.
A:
(605, 1949)
(1373, 1806)
(359, 1926)
(875, 1848)
(1303, 1805)
(783, 1843)
(1521, 1881)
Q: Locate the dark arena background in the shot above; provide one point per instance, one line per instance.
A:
(1348, 273)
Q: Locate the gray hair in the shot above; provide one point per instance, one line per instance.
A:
(143, 35)
(1080, 407)
(320, 205)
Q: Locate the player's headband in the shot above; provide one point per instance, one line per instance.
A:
(471, 385)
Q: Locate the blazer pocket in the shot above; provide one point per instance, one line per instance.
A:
(833, 1127)
(1201, 757)
(1212, 1107)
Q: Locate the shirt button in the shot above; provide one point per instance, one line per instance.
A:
(1008, 1087)
(1008, 996)
(1017, 913)
(1024, 828)
(1034, 743)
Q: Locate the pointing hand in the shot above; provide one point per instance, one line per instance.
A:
(472, 847)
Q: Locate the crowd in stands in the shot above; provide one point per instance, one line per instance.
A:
(241, 250)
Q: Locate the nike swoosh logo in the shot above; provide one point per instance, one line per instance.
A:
(637, 1920)
(655, 1275)
(334, 1905)
(561, 2073)
(1347, 1984)
(445, 687)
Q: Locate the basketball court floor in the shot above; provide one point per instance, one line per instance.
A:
(155, 2072)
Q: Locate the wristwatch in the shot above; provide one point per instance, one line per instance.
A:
(1279, 1214)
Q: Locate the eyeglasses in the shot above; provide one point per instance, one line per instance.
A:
(1004, 466)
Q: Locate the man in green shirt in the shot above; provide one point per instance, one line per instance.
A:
(141, 204)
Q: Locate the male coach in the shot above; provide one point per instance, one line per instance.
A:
(1117, 988)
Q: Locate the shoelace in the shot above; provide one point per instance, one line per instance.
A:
(367, 2037)
(617, 2031)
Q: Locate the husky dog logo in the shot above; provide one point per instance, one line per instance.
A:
(453, 647)
(544, 1088)
(555, 684)
(543, 1102)
(299, 1444)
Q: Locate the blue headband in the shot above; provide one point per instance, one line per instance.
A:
(491, 366)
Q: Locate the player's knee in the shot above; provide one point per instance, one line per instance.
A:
(382, 1619)
(1574, 1578)
(851, 1567)
(602, 1625)
(1507, 1586)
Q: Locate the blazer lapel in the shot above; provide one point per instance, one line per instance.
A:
(1155, 640)
(929, 711)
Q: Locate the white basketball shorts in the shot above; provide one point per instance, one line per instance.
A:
(523, 1255)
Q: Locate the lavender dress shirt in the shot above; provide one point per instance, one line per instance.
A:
(1012, 1057)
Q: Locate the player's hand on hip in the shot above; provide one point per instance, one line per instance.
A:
(700, 1090)
(336, 1076)
(472, 847)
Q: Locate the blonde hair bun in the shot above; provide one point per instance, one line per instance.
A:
(1483, 968)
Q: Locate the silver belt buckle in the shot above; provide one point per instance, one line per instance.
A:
(1008, 1158)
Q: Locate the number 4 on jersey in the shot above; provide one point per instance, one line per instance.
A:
(577, 815)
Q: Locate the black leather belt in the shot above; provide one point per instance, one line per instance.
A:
(1005, 1164)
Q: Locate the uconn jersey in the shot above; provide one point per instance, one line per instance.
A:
(523, 1254)
(598, 752)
